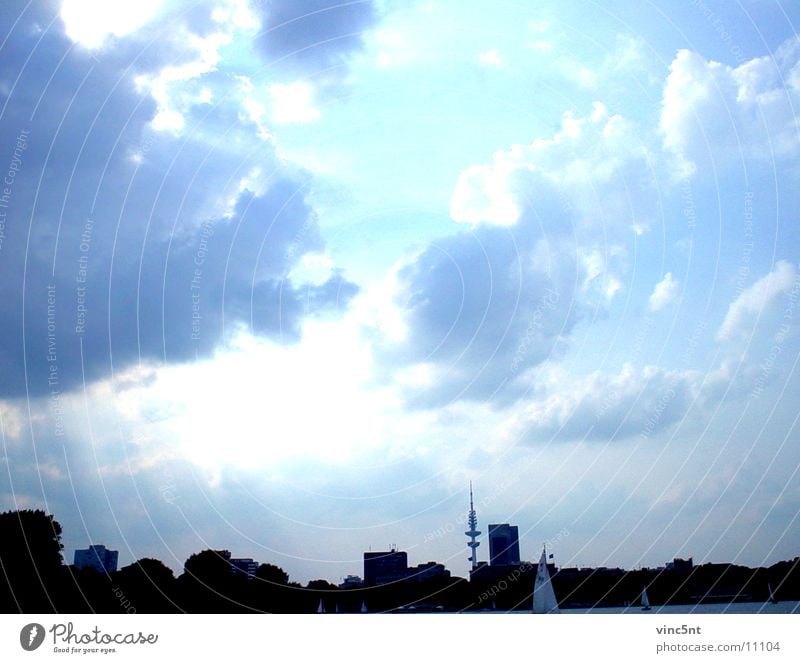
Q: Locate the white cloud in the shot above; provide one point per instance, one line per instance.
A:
(579, 160)
(392, 49)
(253, 110)
(483, 193)
(167, 86)
(237, 13)
(313, 268)
(491, 58)
(664, 293)
(10, 422)
(628, 55)
(603, 406)
(293, 103)
(579, 73)
(178, 87)
(757, 299)
(713, 113)
(91, 22)
(598, 275)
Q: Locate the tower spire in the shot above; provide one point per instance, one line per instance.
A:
(472, 533)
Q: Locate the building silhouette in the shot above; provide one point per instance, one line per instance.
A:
(383, 567)
(427, 571)
(351, 582)
(245, 566)
(503, 545)
(472, 533)
(678, 564)
(97, 558)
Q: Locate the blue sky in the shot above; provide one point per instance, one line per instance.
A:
(283, 277)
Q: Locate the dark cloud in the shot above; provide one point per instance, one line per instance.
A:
(104, 263)
(313, 34)
(484, 305)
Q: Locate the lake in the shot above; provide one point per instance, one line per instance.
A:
(780, 608)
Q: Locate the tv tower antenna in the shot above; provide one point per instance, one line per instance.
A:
(473, 532)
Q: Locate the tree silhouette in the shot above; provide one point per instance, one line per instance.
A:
(31, 564)
(145, 586)
(208, 566)
(208, 583)
(272, 573)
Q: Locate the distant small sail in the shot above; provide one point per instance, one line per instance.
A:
(645, 600)
(772, 598)
(364, 606)
(544, 598)
(321, 607)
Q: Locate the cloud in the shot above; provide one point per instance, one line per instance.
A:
(587, 155)
(635, 402)
(120, 214)
(169, 86)
(293, 103)
(491, 58)
(473, 311)
(198, 43)
(483, 194)
(179, 298)
(91, 22)
(315, 34)
(757, 299)
(664, 293)
(547, 247)
(714, 114)
(10, 422)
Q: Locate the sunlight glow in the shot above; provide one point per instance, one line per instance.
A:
(91, 22)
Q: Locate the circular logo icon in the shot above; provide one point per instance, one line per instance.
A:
(31, 636)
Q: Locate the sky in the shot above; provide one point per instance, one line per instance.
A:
(284, 277)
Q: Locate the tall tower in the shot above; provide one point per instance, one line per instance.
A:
(472, 533)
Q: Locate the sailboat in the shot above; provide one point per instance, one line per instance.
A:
(544, 598)
(645, 600)
(772, 598)
(321, 607)
(364, 607)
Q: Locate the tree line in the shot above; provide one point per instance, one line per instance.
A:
(34, 578)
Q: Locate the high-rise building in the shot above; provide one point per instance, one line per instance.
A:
(503, 545)
(383, 567)
(98, 558)
(245, 566)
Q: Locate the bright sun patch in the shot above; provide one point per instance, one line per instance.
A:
(92, 22)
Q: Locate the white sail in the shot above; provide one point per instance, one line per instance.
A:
(645, 600)
(544, 598)
(321, 607)
(364, 606)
